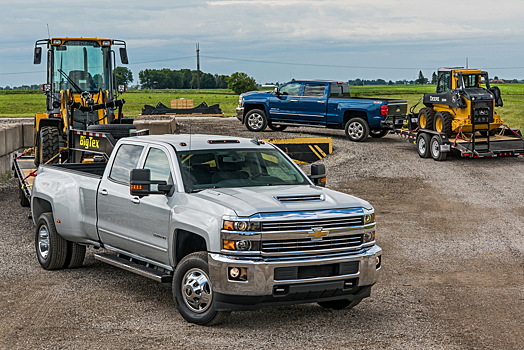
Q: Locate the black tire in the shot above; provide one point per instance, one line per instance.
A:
(193, 291)
(49, 145)
(256, 120)
(116, 130)
(277, 127)
(51, 248)
(425, 118)
(357, 130)
(434, 147)
(443, 123)
(377, 134)
(423, 141)
(339, 304)
(24, 202)
(75, 255)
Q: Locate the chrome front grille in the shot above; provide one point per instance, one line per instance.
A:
(324, 245)
(310, 224)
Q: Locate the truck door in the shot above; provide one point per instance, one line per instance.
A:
(284, 105)
(312, 106)
(136, 225)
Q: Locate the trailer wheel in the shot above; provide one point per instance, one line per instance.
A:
(377, 134)
(277, 127)
(442, 123)
(193, 291)
(116, 130)
(425, 118)
(48, 145)
(51, 248)
(357, 130)
(256, 120)
(423, 141)
(434, 147)
(339, 304)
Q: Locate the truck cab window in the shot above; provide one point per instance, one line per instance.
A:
(158, 162)
(127, 158)
(291, 89)
(444, 82)
(314, 90)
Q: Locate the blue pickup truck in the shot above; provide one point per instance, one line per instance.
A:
(320, 103)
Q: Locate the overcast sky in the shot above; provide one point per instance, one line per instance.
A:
(276, 40)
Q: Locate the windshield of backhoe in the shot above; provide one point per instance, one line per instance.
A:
(81, 65)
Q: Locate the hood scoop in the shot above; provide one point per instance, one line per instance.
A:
(300, 198)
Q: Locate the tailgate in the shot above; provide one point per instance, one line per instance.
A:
(397, 108)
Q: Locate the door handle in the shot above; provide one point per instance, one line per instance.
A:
(135, 200)
(321, 101)
(293, 100)
(103, 192)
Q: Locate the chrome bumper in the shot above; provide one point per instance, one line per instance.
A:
(261, 272)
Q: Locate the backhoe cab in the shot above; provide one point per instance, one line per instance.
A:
(80, 92)
(463, 102)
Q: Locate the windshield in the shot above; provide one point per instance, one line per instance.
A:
(237, 168)
(81, 66)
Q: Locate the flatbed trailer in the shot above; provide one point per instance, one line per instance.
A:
(501, 142)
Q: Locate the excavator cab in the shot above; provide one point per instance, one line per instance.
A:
(80, 93)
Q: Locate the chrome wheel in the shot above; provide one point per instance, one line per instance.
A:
(422, 145)
(255, 121)
(196, 290)
(355, 130)
(43, 242)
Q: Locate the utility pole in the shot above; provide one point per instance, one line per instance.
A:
(198, 64)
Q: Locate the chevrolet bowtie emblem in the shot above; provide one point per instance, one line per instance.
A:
(317, 233)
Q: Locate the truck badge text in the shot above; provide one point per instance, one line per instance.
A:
(88, 142)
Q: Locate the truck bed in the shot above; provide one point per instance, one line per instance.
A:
(96, 169)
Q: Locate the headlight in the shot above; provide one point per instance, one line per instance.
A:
(241, 226)
(369, 218)
(368, 237)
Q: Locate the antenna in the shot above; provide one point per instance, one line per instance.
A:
(467, 65)
(48, 33)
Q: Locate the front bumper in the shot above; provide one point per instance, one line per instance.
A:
(240, 113)
(272, 281)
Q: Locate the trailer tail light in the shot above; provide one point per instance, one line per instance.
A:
(384, 110)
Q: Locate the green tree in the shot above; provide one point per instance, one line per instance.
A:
(434, 78)
(421, 79)
(123, 75)
(241, 82)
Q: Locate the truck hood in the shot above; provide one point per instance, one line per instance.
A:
(256, 93)
(247, 201)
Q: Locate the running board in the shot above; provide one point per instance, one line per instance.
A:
(149, 272)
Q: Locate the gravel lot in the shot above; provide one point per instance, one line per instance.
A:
(452, 276)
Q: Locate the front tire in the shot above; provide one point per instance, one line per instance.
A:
(49, 145)
(256, 120)
(425, 118)
(339, 304)
(357, 130)
(51, 248)
(193, 291)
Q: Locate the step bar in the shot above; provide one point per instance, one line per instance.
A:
(142, 270)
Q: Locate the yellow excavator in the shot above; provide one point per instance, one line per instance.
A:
(463, 102)
(81, 94)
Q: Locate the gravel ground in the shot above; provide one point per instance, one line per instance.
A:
(453, 273)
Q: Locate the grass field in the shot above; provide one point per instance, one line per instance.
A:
(26, 104)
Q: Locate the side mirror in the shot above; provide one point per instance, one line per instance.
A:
(318, 174)
(123, 55)
(141, 184)
(276, 92)
(38, 55)
(122, 88)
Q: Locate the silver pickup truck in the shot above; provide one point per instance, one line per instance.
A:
(231, 222)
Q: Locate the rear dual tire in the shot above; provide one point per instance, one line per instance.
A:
(52, 251)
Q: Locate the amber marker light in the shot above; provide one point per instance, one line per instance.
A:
(136, 187)
(228, 245)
